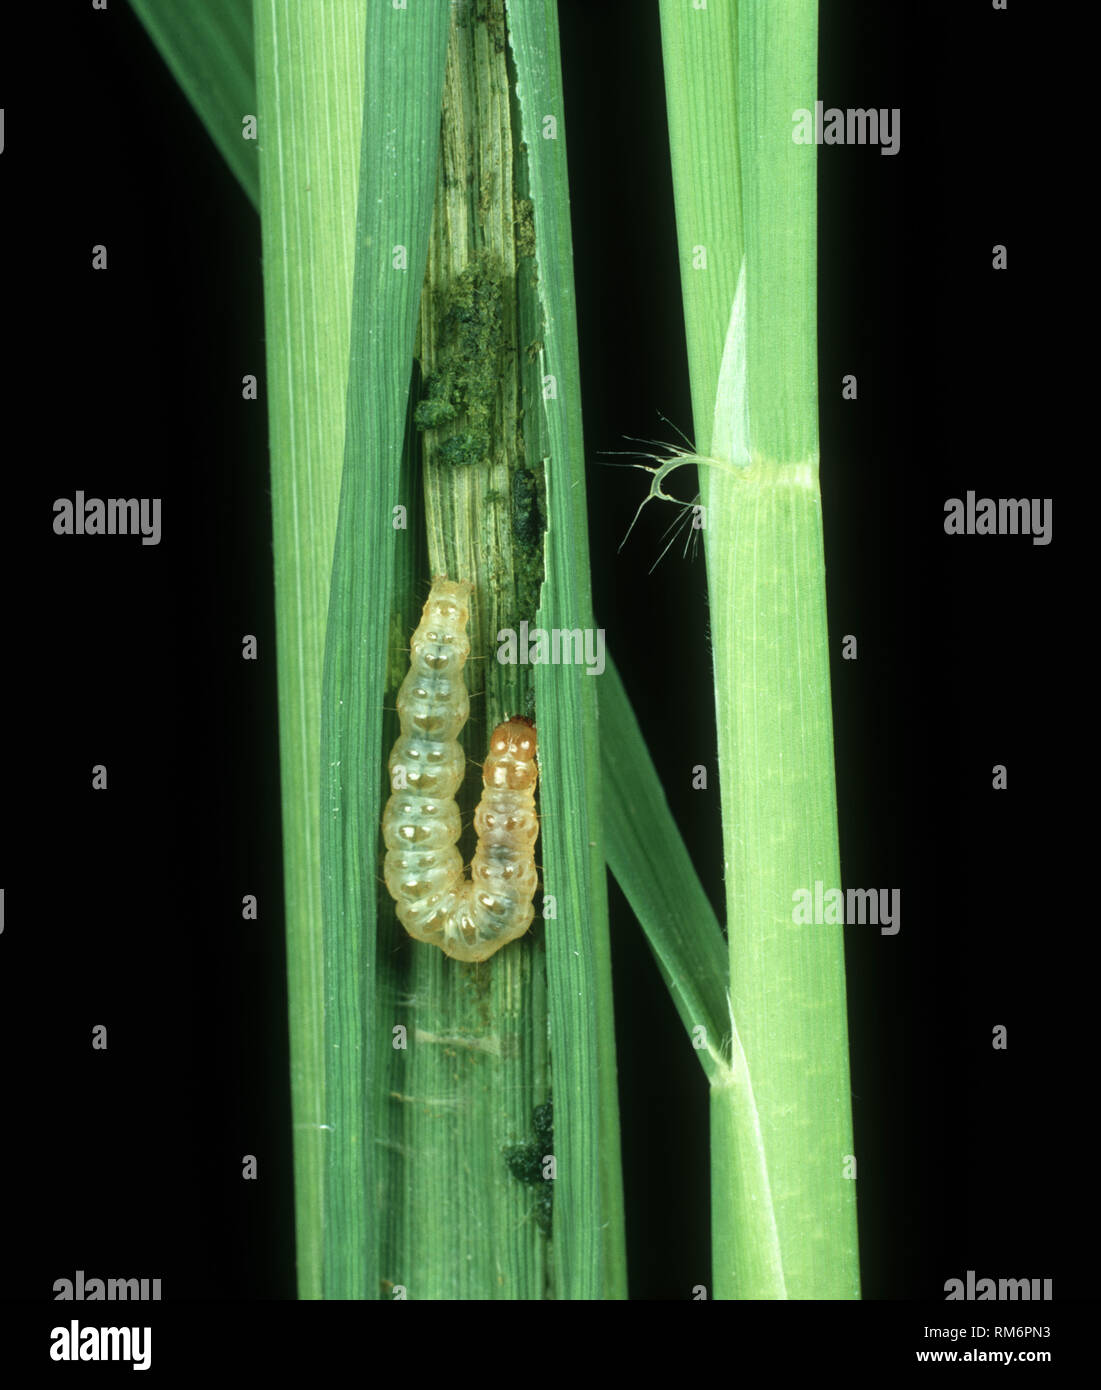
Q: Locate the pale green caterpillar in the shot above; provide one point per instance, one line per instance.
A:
(468, 919)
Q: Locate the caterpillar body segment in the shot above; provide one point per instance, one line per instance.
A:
(468, 919)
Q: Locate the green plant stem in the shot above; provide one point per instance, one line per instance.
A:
(783, 1198)
(458, 1224)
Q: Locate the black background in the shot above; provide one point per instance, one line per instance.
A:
(123, 908)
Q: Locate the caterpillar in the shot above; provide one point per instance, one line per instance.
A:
(468, 919)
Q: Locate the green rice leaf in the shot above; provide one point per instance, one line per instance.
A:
(207, 44)
(403, 80)
(310, 100)
(589, 1241)
(650, 861)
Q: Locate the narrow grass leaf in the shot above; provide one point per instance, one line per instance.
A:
(589, 1241)
(310, 95)
(403, 80)
(207, 45)
(651, 863)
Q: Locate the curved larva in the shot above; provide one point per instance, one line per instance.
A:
(469, 919)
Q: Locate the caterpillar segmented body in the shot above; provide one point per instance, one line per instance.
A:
(469, 919)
